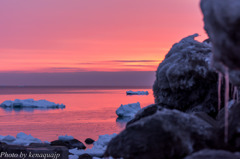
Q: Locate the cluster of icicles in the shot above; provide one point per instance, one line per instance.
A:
(226, 98)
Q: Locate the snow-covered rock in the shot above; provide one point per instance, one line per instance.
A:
(128, 110)
(31, 103)
(137, 93)
(21, 139)
(185, 79)
(98, 148)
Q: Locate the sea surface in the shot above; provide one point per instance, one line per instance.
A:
(89, 112)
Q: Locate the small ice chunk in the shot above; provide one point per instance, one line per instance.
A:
(65, 138)
(128, 110)
(30, 103)
(46, 142)
(137, 93)
(8, 138)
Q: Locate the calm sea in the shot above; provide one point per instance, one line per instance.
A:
(89, 112)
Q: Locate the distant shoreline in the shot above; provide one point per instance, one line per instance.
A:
(81, 87)
(7, 90)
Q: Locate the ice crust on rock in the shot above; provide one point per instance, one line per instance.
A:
(31, 103)
(185, 79)
(128, 110)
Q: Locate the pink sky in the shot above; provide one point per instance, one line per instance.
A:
(92, 35)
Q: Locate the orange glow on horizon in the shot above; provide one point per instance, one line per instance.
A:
(80, 36)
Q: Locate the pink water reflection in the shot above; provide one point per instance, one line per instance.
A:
(88, 113)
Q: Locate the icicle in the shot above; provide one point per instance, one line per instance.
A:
(219, 90)
(226, 104)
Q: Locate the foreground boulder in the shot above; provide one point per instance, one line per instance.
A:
(185, 80)
(164, 134)
(144, 112)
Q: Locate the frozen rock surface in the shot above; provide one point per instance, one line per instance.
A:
(98, 148)
(128, 110)
(160, 135)
(21, 139)
(185, 79)
(137, 93)
(31, 103)
(222, 23)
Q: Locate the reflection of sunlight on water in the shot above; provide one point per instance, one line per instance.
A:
(86, 114)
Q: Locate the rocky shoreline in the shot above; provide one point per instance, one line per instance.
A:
(195, 115)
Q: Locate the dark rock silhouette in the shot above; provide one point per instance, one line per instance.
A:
(164, 134)
(89, 141)
(222, 23)
(185, 80)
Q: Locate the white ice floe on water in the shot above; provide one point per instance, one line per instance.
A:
(137, 92)
(65, 138)
(21, 139)
(128, 110)
(31, 103)
(98, 149)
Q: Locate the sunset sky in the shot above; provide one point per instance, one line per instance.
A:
(53, 39)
